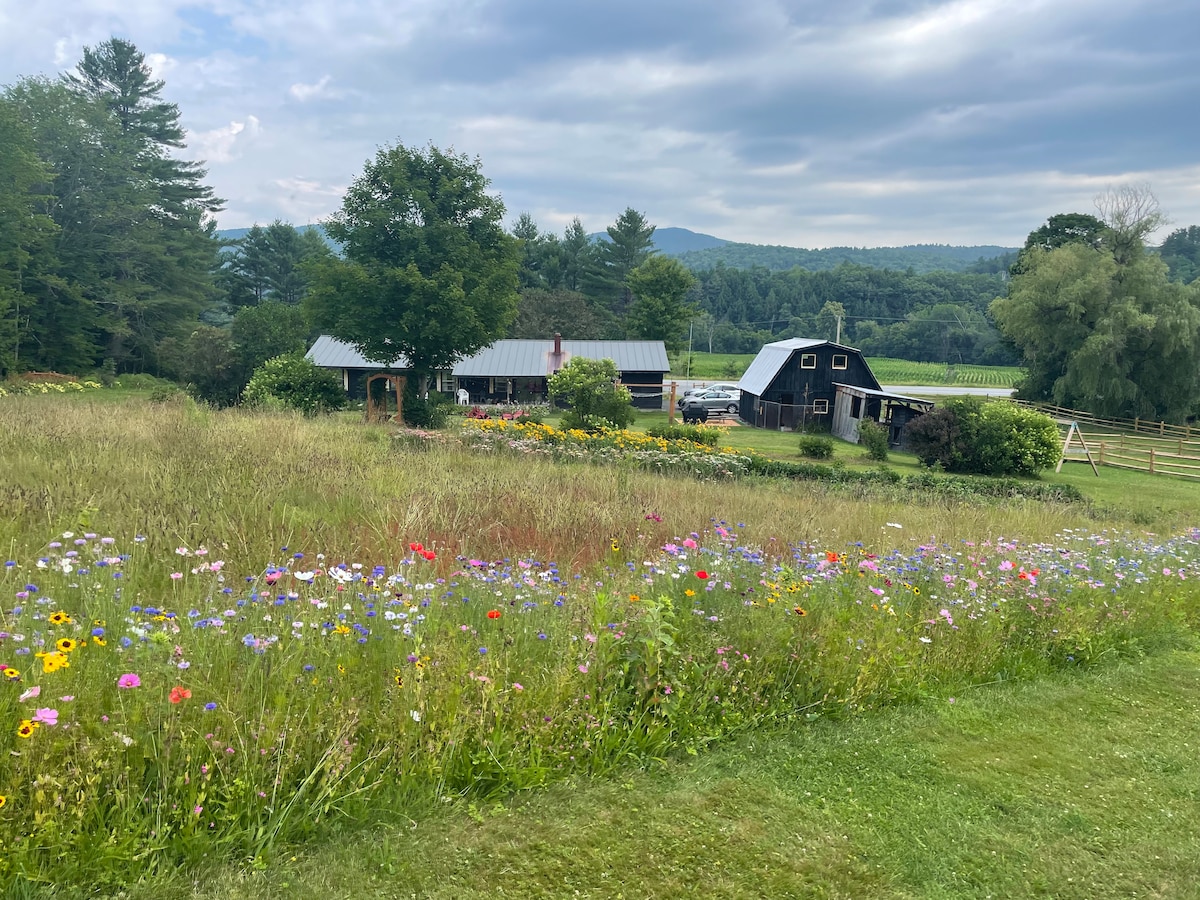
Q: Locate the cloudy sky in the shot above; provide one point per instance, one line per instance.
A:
(808, 123)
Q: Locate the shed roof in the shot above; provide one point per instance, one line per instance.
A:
(510, 358)
(773, 357)
(883, 395)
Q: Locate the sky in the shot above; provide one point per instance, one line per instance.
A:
(806, 123)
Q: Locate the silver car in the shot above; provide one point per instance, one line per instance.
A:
(713, 401)
(697, 391)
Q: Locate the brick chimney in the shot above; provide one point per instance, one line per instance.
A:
(557, 344)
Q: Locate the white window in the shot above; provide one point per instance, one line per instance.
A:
(839, 360)
(808, 360)
(820, 407)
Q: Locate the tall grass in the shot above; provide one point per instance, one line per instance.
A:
(326, 622)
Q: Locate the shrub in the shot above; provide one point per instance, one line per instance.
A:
(433, 413)
(694, 433)
(816, 446)
(294, 382)
(874, 439)
(969, 435)
(590, 388)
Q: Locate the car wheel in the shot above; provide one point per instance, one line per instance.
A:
(731, 408)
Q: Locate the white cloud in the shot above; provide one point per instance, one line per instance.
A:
(225, 144)
(305, 92)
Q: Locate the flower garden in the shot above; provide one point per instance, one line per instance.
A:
(165, 707)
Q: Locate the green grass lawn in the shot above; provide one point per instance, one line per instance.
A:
(1080, 786)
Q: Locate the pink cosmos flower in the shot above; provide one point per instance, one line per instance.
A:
(30, 694)
(129, 680)
(46, 716)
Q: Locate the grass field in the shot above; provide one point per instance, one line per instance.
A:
(367, 720)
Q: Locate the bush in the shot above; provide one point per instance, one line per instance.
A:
(874, 439)
(595, 399)
(816, 446)
(293, 382)
(969, 435)
(694, 433)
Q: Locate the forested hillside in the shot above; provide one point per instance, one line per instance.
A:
(920, 258)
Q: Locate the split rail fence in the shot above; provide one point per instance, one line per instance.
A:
(1157, 448)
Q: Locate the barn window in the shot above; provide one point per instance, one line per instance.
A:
(820, 407)
(808, 360)
(840, 360)
(856, 407)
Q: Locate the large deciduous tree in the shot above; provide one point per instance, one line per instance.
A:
(1101, 327)
(428, 270)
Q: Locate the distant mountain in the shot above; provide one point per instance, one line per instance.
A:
(704, 251)
(921, 258)
(236, 234)
(674, 241)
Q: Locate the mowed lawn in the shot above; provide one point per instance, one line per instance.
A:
(1085, 785)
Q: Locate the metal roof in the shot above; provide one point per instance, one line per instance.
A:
(510, 358)
(773, 357)
(330, 353)
(886, 395)
(533, 358)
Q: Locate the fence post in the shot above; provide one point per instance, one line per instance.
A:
(1135, 423)
(1102, 443)
(671, 406)
(1162, 428)
(1151, 460)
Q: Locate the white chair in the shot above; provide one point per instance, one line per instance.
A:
(463, 398)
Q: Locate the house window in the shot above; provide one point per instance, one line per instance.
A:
(820, 407)
(808, 360)
(856, 407)
(839, 360)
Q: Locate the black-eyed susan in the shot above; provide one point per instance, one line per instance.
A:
(634, 598)
(800, 610)
(60, 618)
(26, 728)
(3, 800)
(66, 645)
(10, 673)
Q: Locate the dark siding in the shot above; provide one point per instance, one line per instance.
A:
(794, 385)
(649, 383)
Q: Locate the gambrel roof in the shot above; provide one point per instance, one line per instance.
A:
(773, 357)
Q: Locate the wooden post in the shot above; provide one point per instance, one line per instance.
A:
(1136, 420)
(1151, 460)
(1102, 445)
(671, 406)
(1162, 428)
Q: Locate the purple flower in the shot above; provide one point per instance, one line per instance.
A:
(129, 680)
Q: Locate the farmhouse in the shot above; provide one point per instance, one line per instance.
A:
(804, 381)
(510, 371)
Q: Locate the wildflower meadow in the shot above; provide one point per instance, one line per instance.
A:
(169, 707)
(250, 629)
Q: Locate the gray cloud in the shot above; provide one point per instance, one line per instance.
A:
(782, 121)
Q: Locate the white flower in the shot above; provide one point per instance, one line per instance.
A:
(894, 525)
(925, 640)
(416, 716)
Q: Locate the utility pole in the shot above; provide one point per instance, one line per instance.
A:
(839, 330)
(691, 322)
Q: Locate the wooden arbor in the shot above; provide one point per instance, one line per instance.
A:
(377, 408)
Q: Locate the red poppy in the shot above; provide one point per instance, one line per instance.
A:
(830, 556)
(494, 614)
(415, 547)
(179, 694)
(701, 574)
(429, 554)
